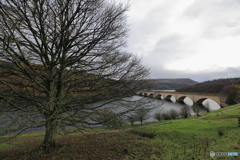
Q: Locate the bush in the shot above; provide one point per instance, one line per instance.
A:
(147, 134)
(166, 116)
(196, 109)
(158, 116)
(220, 133)
(185, 112)
(173, 114)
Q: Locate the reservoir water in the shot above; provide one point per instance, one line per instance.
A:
(160, 106)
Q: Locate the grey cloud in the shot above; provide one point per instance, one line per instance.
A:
(168, 45)
(171, 47)
(200, 76)
(142, 29)
(154, 20)
(160, 45)
(219, 18)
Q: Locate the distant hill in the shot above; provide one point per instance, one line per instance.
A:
(214, 86)
(170, 84)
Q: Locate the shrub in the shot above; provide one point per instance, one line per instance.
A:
(158, 116)
(173, 114)
(196, 109)
(185, 112)
(166, 116)
(220, 133)
(146, 134)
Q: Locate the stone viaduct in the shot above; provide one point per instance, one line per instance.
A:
(197, 98)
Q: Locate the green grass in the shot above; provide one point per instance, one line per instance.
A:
(184, 139)
(17, 140)
(195, 139)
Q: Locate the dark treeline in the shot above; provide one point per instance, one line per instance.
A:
(214, 86)
(169, 84)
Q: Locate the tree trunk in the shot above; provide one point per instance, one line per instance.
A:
(50, 134)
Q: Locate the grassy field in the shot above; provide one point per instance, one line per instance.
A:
(182, 139)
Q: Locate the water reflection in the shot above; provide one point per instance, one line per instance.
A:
(212, 104)
(188, 101)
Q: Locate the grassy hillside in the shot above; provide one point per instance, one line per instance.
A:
(195, 139)
(187, 139)
(161, 84)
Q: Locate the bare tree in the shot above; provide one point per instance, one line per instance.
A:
(143, 107)
(132, 118)
(142, 114)
(59, 56)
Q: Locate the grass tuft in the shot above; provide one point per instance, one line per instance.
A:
(146, 134)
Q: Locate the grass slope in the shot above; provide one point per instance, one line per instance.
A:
(195, 139)
(191, 138)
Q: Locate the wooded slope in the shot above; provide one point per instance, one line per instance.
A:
(214, 86)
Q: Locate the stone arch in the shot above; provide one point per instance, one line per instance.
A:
(185, 100)
(200, 101)
(151, 95)
(159, 96)
(168, 98)
(145, 95)
(140, 94)
(181, 99)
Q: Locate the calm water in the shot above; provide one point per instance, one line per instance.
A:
(160, 106)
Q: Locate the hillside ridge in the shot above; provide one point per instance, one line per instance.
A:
(211, 86)
(170, 83)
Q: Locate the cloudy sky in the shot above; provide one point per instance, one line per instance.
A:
(197, 39)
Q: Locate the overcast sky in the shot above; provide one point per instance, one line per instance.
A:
(197, 39)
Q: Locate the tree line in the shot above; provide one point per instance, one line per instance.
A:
(228, 86)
